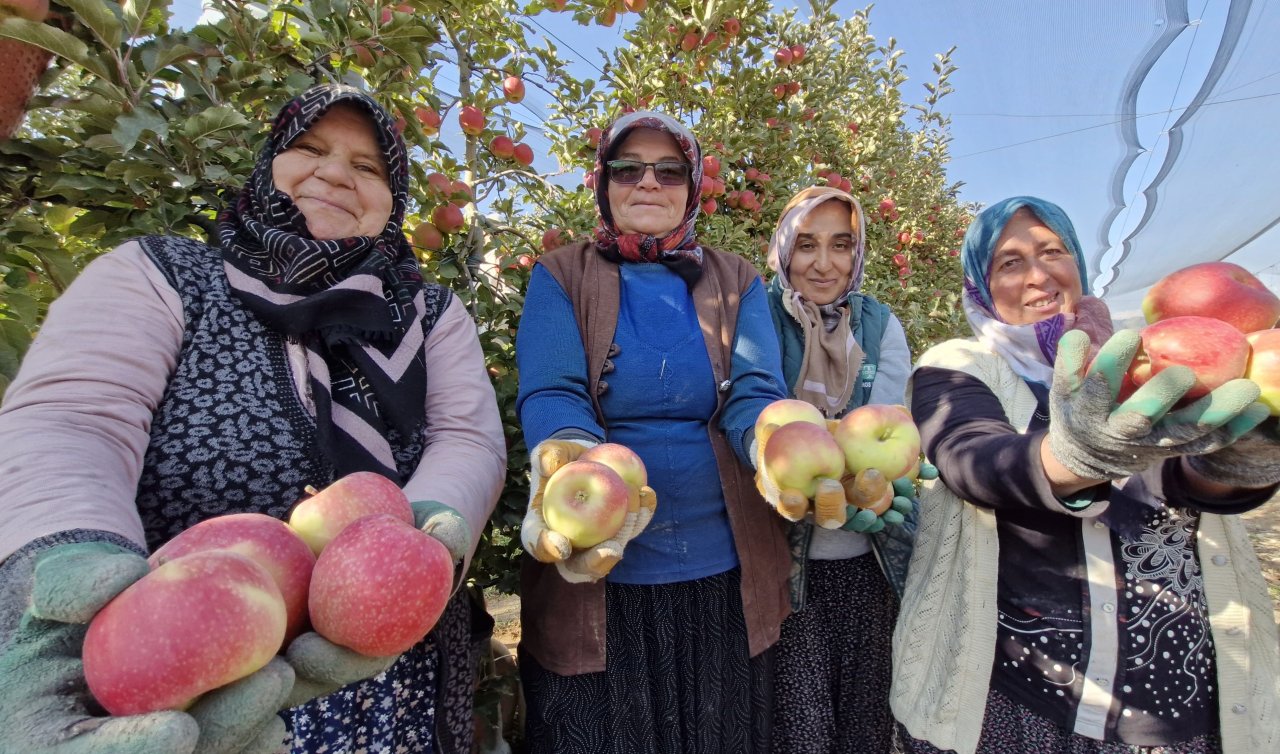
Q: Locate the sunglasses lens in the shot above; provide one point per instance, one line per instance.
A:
(626, 171)
(671, 173)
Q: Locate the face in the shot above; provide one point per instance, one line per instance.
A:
(334, 173)
(648, 207)
(1033, 275)
(822, 257)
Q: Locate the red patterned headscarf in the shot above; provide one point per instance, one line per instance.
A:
(678, 249)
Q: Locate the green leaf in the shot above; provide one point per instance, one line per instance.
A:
(213, 122)
(56, 41)
(130, 126)
(99, 17)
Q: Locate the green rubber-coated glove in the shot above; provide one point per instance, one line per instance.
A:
(1095, 439)
(863, 520)
(446, 525)
(46, 707)
(1251, 461)
(322, 667)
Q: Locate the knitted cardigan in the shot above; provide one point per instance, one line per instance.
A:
(944, 642)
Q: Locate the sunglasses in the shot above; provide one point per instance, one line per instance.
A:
(632, 171)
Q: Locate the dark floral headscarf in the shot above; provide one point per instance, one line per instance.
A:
(678, 249)
(356, 303)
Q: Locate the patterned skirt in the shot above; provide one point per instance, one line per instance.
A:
(678, 679)
(834, 662)
(1010, 728)
(423, 700)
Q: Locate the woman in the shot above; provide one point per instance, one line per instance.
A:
(840, 350)
(645, 338)
(176, 381)
(1077, 583)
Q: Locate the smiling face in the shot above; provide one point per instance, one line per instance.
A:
(648, 207)
(335, 175)
(822, 257)
(1033, 275)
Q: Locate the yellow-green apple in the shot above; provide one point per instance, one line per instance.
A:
(1264, 366)
(881, 437)
(319, 517)
(380, 586)
(585, 501)
(1220, 290)
(783, 412)
(191, 625)
(798, 454)
(267, 541)
(1213, 349)
(623, 460)
(868, 489)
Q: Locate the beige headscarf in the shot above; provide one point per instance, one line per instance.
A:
(832, 358)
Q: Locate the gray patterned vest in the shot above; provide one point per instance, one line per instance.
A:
(231, 434)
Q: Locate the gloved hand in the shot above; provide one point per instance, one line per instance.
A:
(870, 487)
(1095, 439)
(446, 525)
(45, 705)
(1251, 461)
(322, 667)
(828, 504)
(548, 546)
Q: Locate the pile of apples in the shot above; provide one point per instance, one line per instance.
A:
(587, 499)
(833, 463)
(226, 595)
(1218, 320)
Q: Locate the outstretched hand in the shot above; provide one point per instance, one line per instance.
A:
(1252, 461)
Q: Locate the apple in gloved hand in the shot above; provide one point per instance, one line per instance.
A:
(1264, 366)
(1214, 350)
(380, 586)
(585, 501)
(191, 625)
(320, 517)
(798, 454)
(267, 541)
(623, 460)
(1220, 290)
(881, 437)
(783, 412)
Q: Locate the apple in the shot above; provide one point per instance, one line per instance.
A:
(887, 205)
(1221, 290)
(380, 586)
(552, 238)
(429, 118)
(586, 502)
(623, 460)
(783, 412)
(1216, 351)
(267, 541)
(191, 625)
(319, 517)
(783, 57)
(428, 236)
(459, 190)
(732, 26)
(1264, 366)
(797, 53)
(448, 218)
(513, 88)
(502, 147)
(635, 6)
(365, 58)
(853, 126)
(869, 489)
(471, 120)
(32, 10)
(709, 207)
(608, 17)
(881, 437)
(557, 5)
(690, 41)
(593, 136)
(524, 154)
(798, 454)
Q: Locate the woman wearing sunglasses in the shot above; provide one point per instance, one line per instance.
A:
(643, 337)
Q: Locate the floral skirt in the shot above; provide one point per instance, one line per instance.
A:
(423, 700)
(678, 679)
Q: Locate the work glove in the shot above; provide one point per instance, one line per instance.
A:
(830, 510)
(322, 667)
(1251, 461)
(1095, 439)
(45, 705)
(549, 546)
(448, 527)
(904, 501)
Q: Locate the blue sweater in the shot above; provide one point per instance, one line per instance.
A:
(660, 398)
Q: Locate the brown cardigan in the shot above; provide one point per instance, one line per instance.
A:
(563, 624)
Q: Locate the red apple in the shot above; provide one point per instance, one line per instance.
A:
(364, 56)
(623, 460)
(459, 191)
(593, 137)
(32, 10)
(191, 625)
(798, 454)
(635, 6)
(471, 120)
(502, 147)
(881, 437)
(853, 126)
(709, 207)
(439, 183)
(321, 516)
(267, 541)
(448, 218)
(711, 166)
(1216, 351)
(429, 118)
(732, 26)
(586, 502)
(513, 88)
(524, 154)
(380, 586)
(797, 53)
(887, 205)
(690, 41)
(1264, 366)
(428, 236)
(1220, 290)
(783, 57)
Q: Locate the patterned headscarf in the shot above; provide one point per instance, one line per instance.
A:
(678, 249)
(355, 303)
(1030, 349)
(831, 359)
